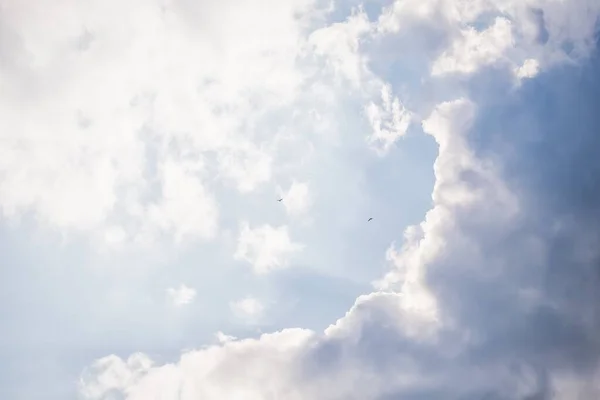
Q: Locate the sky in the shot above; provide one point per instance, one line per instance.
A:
(144, 146)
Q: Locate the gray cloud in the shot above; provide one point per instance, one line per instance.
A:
(543, 138)
(522, 293)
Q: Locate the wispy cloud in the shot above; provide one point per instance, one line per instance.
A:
(265, 247)
(181, 296)
(297, 199)
(248, 308)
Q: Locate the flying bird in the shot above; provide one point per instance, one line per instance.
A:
(369, 219)
(280, 199)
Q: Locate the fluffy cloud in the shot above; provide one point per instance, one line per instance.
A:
(248, 308)
(138, 114)
(297, 199)
(389, 121)
(222, 338)
(185, 209)
(339, 43)
(529, 69)
(213, 368)
(132, 119)
(181, 296)
(265, 247)
(476, 49)
(495, 293)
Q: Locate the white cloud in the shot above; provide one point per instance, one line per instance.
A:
(212, 368)
(453, 323)
(297, 199)
(265, 247)
(529, 69)
(105, 110)
(424, 338)
(408, 14)
(473, 49)
(294, 363)
(339, 43)
(115, 235)
(223, 338)
(248, 167)
(114, 373)
(92, 127)
(186, 208)
(181, 296)
(142, 124)
(389, 121)
(248, 308)
(129, 134)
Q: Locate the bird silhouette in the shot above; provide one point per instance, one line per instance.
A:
(279, 199)
(369, 219)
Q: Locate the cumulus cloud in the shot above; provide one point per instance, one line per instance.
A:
(495, 294)
(248, 308)
(181, 296)
(141, 115)
(297, 199)
(475, 49)
(265, 247)
(115, 235)
(116, 374)
(223, 338)
(128, 122)
(389, 120)
(529, 69)
(212, 367)
(186, 209)
(134, 115)
(339, 43)
(146, 130)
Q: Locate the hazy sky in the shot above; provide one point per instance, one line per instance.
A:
(144, 145)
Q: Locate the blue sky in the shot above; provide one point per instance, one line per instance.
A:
(144, 146)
